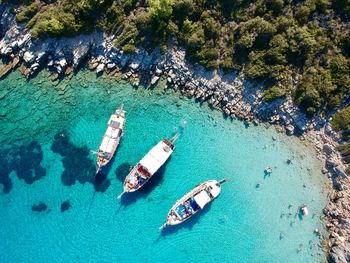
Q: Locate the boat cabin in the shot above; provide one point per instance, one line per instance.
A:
(192, 205)
(138, 178)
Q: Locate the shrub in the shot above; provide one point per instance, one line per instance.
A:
(27, 13)
(341, 120)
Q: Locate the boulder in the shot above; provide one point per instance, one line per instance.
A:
(134, 65)
(328, 149)
(62, 62)
(154, 80)
(111, 65)
(24, 40)
(290, 129)
(28, 57)
(100, 68)
(34, 66)
(158, 71)
(328, 129)
(8, 51)
(80, 53)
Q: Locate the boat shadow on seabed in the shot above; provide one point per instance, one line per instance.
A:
(130, 198)
(189, 223)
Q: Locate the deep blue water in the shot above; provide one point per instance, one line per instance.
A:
(45, 165)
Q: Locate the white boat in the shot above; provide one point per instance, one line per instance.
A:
(149, 165)
(192, 202)
(111, 138)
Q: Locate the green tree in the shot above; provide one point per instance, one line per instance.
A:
(161, 9)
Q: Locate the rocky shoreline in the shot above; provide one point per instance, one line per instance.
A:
(235, 96)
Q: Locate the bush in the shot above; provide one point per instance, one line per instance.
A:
(27, 13)
(129, 48)
(341, 120)
(161, 9)
(54, 23)
(273, 93)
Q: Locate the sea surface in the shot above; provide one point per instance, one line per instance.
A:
(53, 210)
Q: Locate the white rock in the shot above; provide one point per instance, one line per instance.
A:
(158, 71)
(100, 68)
(14, 44)
(8, 51)
(34, 66)
(24, 40)
(28, 57)
(134, 65)
(62, 62)
(110, 65)
(58, 68)
(154, 80)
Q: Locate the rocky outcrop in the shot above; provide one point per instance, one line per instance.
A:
(232, 93)
(338, 212)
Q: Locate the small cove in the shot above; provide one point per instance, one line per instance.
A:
(245, 224)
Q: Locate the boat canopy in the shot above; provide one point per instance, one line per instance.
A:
(202, 198)
(112, 133)
(107, 144)
(156, 157)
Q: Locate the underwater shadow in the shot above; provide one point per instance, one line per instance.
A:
(122, 171)
(101, 182)
(25, 160)
(77, 164)
(189, 223)
(5, 171)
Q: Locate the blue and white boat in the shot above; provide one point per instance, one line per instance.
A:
(193, 202)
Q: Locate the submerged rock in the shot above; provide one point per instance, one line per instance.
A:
(41, 207)
(65, 206)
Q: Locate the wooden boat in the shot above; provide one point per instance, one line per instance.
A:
(149, 165)
(192, 202)
(111, 138)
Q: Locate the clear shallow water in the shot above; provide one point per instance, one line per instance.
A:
(244, 224)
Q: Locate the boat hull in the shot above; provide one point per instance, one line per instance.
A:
(198, 204)
(146, 168)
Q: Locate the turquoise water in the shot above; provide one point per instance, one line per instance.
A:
(46, 134)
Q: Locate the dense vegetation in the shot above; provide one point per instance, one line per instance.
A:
(296, 47)
(280, 42)
(341, 123)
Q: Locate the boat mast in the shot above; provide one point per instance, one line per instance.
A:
(120, 110)
(120, 196)
(174, 138)
(163, 226)
(223, 181)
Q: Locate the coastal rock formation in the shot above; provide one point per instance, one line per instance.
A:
(232, 93)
